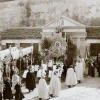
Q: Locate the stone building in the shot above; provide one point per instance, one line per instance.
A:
(23, 37)
(93, 40)
(75, 30)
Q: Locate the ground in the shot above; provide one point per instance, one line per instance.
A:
(89, 89)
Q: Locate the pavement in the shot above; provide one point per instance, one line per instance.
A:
(88, 84)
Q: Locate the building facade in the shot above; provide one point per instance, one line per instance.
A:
(93, 40)
(21, 37)
(75, 30)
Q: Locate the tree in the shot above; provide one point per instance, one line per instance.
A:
(71, 52)
(46, 43)
(28, 13)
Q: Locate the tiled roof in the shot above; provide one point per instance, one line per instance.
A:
(93, 33)
(21, 34)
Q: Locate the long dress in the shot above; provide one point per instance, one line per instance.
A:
(41, 72)
(7, 93)
(1, 75)
(79, 71)
(43, 91)
(71, 78)
(55, 84)
(44, 66)
(30, 81)
(36, 68)
(64, 72)
(18, 94)
(15, 80)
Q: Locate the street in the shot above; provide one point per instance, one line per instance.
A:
(89, 89)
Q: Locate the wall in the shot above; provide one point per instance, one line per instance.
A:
(18, 41)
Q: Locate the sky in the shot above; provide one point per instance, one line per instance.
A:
(92, 2)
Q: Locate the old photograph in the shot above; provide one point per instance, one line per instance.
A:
(49, 49)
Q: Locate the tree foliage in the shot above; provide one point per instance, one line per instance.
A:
(46, 43)
(71, 52)
(28, 13)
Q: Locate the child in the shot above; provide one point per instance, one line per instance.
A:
(18, 94)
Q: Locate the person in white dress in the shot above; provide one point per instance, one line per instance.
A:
(71, 79)
(60, 68)
(41, 72)
(79, 70)
(1, 75)
(44, 66)
(50, 64)
(15, 79)
(15, 69)
(55, 84)
(32, 68)
(51, 71)
(43, 91)
(36, 68)
(83, 64)
(1, 65)
(24, 75)
(7, 68)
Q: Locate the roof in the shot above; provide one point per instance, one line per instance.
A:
(66, 22)
(93, 33)
(21, 33)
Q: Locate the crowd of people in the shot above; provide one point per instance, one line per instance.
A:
(47, 77)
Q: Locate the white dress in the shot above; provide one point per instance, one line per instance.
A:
(36, 68)
(43, 91)
(1, 85)
(50, 74)
(44, 66)
(15, 80)
(32, 68)
(1, 65)
(25, 73)
(50, 63)
(79, 70)
(41, 72)
(83, 64)
(71, 77)
(0, 75)
(55, 84)
(54, 67)
(60, 71)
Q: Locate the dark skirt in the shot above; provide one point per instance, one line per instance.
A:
(0, 96)
(7, 93)
(18, 94)
(30, 81)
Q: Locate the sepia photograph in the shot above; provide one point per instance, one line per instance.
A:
(49, 49)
